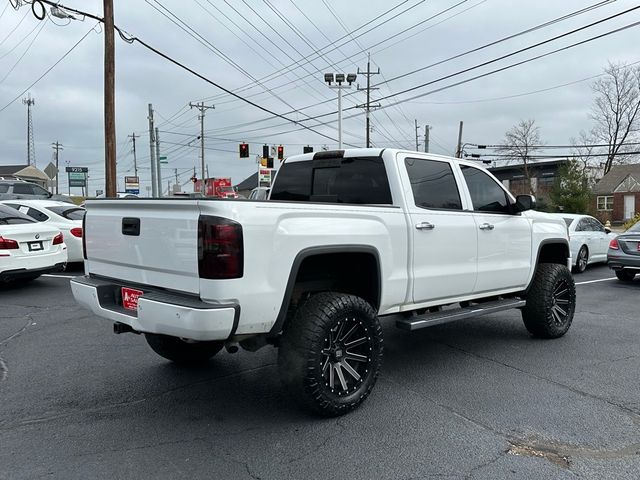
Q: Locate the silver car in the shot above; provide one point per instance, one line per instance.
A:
(624, 254)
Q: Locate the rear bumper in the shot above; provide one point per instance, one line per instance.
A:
(178, 315)
(623, 261)
(19, 273)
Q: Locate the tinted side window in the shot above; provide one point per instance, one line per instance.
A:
(433, 184)
(4, 188)
(583, 226)
(486, 194)
(38, 190)
(37, 215)
(21, 188)
(359, 180)
(293, 182)
(596, 225)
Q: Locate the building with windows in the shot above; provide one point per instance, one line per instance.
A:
(543, 175)
(616, 197)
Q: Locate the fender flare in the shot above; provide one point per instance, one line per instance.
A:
(313, 251)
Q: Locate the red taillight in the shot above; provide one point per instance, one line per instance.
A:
(84, 237)
(58, 239)
(220, 248)
(76, 232)
(613, 244)
(8, 244)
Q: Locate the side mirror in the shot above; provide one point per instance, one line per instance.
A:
(525, 202)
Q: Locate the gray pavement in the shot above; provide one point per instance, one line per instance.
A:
(477, 399)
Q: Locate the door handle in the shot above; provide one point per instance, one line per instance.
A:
(486, 226)
(425, 226)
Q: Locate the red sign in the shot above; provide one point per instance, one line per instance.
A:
(130, 298)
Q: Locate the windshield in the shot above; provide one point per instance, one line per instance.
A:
(72, 213)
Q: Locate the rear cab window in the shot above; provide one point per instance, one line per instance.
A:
(333, 179)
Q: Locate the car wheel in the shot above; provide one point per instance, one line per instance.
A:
(582, 260)
(625, 275)
(551, 301)
(331, 353)
(182, 351)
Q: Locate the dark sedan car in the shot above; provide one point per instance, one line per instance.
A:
(623, 255)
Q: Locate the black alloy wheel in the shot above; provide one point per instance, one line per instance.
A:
(331, 353)
(551, 301)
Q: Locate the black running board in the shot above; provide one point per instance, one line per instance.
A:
(430, 319)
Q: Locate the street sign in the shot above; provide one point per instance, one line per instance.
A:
(77, 169)
(99, 192)
(132, 184)
(77, 179)
(163, 159)
(264, 176)
(51, 171)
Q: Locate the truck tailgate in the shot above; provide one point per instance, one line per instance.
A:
(150, 242)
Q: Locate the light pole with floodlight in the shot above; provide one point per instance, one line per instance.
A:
(339, 80)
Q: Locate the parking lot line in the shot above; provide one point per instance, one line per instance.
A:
(57, 276)
(594, 281)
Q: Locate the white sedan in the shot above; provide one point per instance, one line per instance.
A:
(28, 248)
(64, 216)
(588, 240)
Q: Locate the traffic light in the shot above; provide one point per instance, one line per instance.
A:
(244, 150)
(307, 149)
(269, 162)
(263, 162)
(265, 151)
(280, 152)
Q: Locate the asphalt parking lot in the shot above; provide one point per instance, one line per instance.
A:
(473, 399)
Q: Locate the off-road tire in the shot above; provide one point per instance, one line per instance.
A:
(625, 275)
(551, 301)
(581, 260)
(181, 351)
(326, 332)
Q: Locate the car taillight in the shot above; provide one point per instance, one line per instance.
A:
(220, 248)
(76, 232)
(613, 244)
(58, 239)
(8, 244)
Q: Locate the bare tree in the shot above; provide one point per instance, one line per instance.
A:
(584, 151)
(615, 110)
(520, 142)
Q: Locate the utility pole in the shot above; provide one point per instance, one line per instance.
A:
(367, 106)
(57, 147)
(159, 173)
(133, 137)
(459, 148)
(109, 101)
(31, 151)
(417, 144)
(426, 138)
(202, 108)
(154, 184)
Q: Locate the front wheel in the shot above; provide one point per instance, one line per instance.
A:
(625, 275)
(181, 351)
(551, 301)
(331, 353)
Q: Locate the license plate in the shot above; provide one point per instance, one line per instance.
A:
(130, 298)
(35, 246)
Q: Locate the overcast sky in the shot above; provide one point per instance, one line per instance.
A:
(246, 44)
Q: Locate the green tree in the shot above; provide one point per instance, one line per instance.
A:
(571, 189)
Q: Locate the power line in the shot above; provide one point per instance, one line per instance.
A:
(48, 70)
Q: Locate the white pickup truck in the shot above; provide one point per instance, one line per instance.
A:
(346, 237)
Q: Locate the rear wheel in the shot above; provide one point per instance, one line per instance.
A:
(625, 275)
(551, 301)
(331, 353)
(582, 260)
(182, 351)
